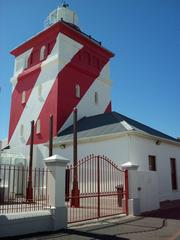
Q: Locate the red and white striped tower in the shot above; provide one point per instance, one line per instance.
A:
(56, 70)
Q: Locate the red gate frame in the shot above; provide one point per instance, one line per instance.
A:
(100, 163)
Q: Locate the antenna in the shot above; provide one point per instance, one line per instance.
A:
(64, 4)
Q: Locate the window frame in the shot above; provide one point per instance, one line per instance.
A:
(23, 97)
(42, 53)
(152, 163)
(173, 168)
(38, 126)
(77, 91)
(96, 98)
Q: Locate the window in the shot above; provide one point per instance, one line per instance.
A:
(40, 90)
(38, 127)
(42, 53)
(78, 91)
(25, 62)
(21, 130)
(152, 163)
(173, 173)
(96, 97)
(23, 97)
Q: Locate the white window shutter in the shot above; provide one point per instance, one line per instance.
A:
(38, 126)
(78, 91)
(23, 98)
(42, 53)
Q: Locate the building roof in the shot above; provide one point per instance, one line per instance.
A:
(109, 123)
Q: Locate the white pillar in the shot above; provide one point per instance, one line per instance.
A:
(133, 201)
(56, 189)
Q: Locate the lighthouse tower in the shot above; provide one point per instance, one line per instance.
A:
(56, 70)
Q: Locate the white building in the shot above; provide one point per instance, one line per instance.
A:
(125, 140)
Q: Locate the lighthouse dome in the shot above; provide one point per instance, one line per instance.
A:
(62, 13)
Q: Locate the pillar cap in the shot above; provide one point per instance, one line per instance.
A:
(57, 159)
(129, 166)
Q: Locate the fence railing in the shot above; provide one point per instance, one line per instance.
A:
(23, 189)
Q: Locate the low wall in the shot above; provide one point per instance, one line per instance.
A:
(16, 224)
(24, 223)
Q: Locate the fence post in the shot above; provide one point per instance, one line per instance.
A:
(56, 190)
(126, 191)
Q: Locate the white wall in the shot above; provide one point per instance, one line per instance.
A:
(142, 147)
(116, 149)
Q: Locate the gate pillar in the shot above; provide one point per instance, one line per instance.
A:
(132, 202)
(56, 190)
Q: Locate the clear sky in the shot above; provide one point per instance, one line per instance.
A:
(143, 34)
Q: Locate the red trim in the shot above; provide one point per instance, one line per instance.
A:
(67, 30)
(109, 108)
(126, 191)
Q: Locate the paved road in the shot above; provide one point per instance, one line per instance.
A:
(163, 224)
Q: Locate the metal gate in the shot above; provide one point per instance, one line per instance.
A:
(95, 188)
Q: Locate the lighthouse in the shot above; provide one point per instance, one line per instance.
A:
(56, 70)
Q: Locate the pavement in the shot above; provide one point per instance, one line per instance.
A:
(161, 224)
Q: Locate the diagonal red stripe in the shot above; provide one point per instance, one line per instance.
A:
(61, 99)
(26, 82)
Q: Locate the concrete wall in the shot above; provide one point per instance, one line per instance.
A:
(23, 223)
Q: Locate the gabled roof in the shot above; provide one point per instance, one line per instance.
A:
(108, 123)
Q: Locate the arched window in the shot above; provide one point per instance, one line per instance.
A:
(21, 130)
(38, 126)
(40, 90)
(23, 97)
(96, 97)
(25, 62)
(42, 53)
(78, 91)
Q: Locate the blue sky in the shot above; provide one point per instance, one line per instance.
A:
(143, 34)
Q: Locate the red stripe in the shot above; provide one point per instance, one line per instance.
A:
(26, 82)
(61, 99)
(80, 72)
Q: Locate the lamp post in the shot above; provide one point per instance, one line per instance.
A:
(75, 201)
(29, 189)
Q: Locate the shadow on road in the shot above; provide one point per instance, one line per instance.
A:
(169, 210)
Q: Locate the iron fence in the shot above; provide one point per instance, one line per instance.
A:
(23, 189)
(95, 188)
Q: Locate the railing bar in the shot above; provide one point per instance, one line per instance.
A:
(38, 186)
(42, 186)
